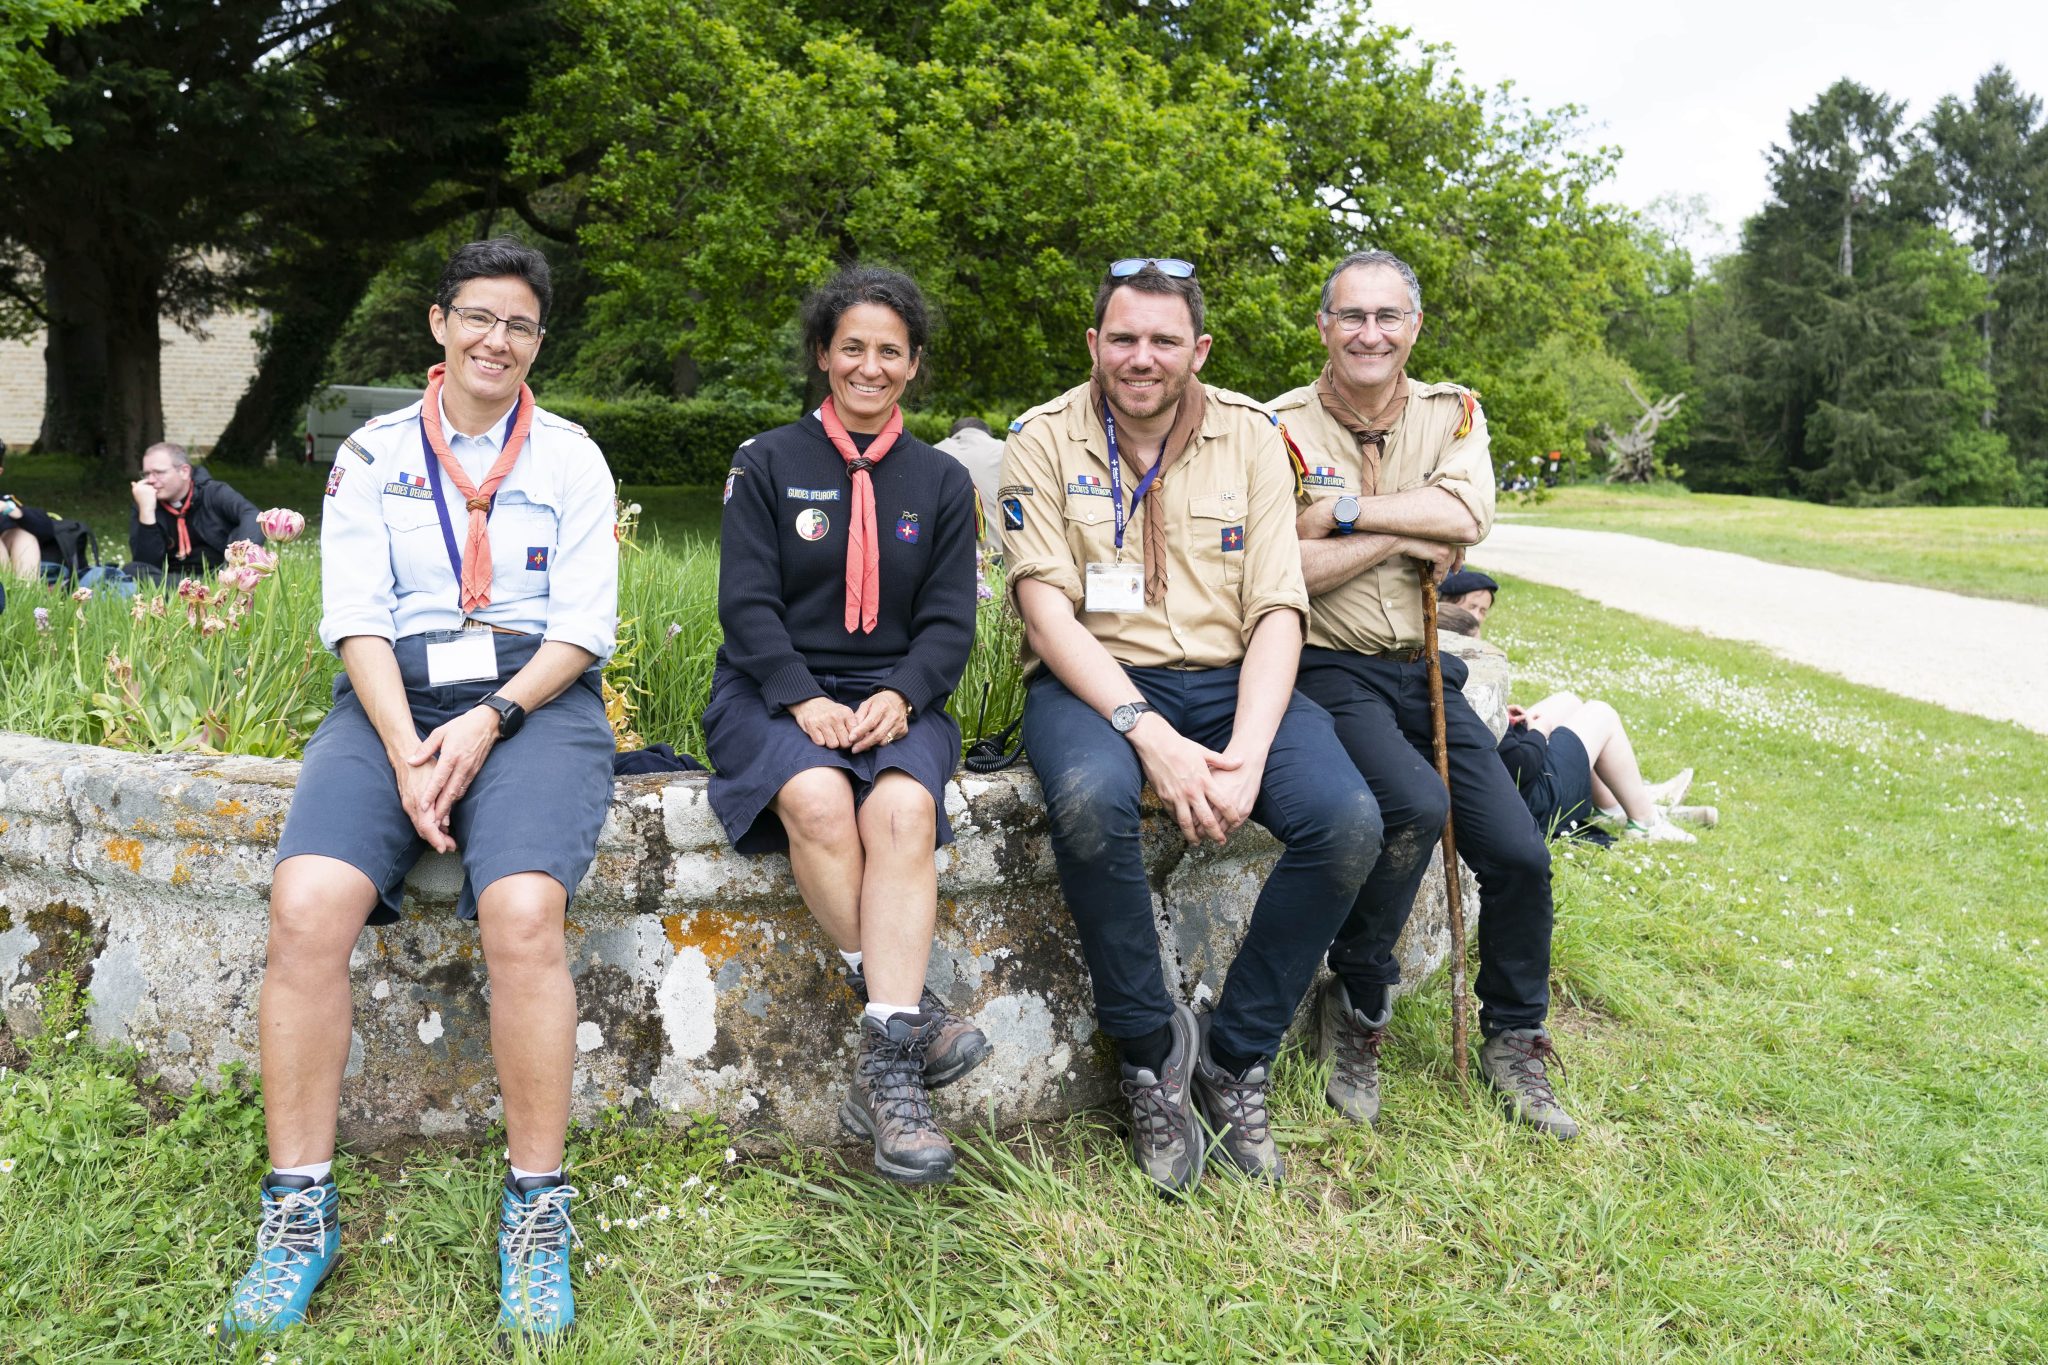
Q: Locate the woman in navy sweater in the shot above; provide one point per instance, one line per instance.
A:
(847, 594)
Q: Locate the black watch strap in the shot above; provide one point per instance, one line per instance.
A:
(511, 715)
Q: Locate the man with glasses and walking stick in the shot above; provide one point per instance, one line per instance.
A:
(1396, 482)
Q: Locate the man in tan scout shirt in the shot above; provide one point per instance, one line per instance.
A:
(1396, 481)
(1149, 531)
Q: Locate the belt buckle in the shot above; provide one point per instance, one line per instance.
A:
(470, 624)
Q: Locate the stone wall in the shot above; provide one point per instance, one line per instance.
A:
(702, 984)
(203, 378)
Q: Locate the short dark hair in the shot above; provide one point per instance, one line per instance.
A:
(970, 424)
(858, 284)
(500, 257)
(1151, 280)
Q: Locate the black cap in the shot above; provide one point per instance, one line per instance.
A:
(1464, 581)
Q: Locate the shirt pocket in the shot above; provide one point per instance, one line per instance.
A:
(1216, 520)
(525, 534)
(1091, 529)
(419, 556)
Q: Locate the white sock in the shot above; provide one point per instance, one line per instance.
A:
(517, 1174)
(880, 1013)
(1612, 812)
(316, 1172)
(852, 960)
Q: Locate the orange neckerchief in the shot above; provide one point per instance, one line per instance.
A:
(1187, 420)
(476, 550)
(863, 549)
(1372, 436)
(178, 511)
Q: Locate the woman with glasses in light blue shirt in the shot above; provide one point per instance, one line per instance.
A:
(470, 585)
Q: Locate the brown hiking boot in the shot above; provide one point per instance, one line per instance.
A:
(1513, 1063)
(1234, 1107)
(1350, 1043)
(889, 1104)
(1166, 1134)
(956, 1049)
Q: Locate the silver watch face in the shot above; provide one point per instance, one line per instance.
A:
(1124, 718)
(1346, 509)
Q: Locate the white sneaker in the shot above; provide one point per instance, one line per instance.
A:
(1703, 817)
(1671, 791)
(1663, 832)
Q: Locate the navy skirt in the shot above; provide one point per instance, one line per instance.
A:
(754, 754)
(1570, 773)
(535, 806)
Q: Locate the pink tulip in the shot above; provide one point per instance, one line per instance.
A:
(281, 524)
(242, 578)
(192, 590)
(212, 625)
(247, 553)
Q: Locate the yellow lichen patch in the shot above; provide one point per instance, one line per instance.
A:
(226, 809)
(145, 828)
(705, 930)
(181, 875)
(127, 852)
(188, 829)
(199, 850)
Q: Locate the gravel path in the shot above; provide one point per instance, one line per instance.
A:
(1969, 654)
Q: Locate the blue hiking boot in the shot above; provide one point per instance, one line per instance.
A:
(297, 1245)
(534, 1236)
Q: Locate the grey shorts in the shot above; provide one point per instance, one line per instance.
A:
(536, 806)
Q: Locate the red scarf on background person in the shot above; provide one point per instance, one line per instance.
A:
(178, 511)
(476, 550)
(863, 548)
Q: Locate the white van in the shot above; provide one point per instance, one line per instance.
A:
(336, 413)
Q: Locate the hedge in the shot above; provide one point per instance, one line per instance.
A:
(689, 440)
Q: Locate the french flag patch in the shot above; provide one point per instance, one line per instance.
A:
(412, 480)
(1233, 538)
(537, 559)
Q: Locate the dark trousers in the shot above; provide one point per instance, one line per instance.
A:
(1381, 710)
(1315, 805)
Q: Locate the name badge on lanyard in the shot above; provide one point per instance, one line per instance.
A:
(474, 657)
(1121, 586)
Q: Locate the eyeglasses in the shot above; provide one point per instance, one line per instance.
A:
(479, 321)
(1387, 319)
(1171, 266)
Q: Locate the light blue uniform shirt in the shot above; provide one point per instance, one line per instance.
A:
(554, 550)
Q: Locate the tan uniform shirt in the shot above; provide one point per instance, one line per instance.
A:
(982, 456)
(1381, 609)
(1231, 549)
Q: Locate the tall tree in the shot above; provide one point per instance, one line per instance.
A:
(26, 77)
(264, 154)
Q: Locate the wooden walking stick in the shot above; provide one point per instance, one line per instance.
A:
(1453, 891)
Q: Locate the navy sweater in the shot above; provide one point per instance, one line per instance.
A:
(782, 567)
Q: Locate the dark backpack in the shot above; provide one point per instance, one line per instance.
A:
(77, 548)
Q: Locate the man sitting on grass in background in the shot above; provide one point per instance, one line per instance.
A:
(184, 519)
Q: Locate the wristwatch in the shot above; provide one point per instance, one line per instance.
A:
(1346, 513)
(1125, 718)
(511, 715)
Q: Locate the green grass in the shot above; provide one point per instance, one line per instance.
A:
(1806, 1051)
(1979, 551)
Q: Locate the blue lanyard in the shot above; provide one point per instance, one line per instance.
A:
(441, 505)
(1116, 475)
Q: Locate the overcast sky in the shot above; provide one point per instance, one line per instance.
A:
(1696, 94)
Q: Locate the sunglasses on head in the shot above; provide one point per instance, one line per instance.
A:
(1165, 265)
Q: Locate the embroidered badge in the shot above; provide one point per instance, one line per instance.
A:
(406, 490)
(413, 480)
(357, 446)
(1323, 476)
(1233, 538)
(1090, 485)
(1013, 513)
(537, 558)
(812, 494)
(811, 524)
(334, 479)
(1017, 425)
(906, 528)
(730, 475)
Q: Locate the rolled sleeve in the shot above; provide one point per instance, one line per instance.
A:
(358, 595)
(1272, 571)
(1466, 473)
(583, 588)
(1038, 548)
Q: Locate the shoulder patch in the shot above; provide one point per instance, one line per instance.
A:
(1471, 402)
(351, 443)
(1295, 460)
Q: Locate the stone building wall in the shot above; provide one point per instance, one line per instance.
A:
(203, 378)
(702, 984)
